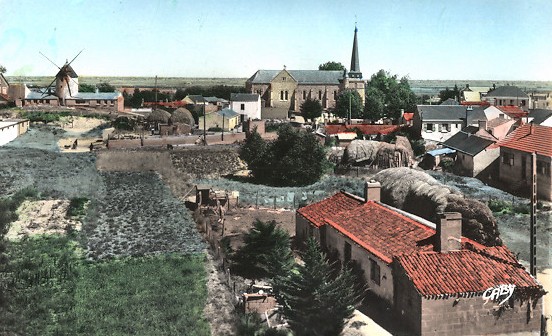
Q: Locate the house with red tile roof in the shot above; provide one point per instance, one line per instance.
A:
(515, 167)
(438, 281)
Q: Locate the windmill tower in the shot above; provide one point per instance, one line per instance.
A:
(67, 81)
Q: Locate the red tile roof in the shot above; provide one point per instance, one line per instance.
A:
(513, 111)
(408, 116)
(530, 138)
(380, 229)
(364, 128)
(467, 271)
(316, 213)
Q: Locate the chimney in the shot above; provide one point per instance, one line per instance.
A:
(372, 191)
(482, 125)
(449, 232)
(531, 130)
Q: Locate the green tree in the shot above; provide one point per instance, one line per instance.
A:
(2, 69)
(331, 66)
(446, 93)
(266, 252)
(86, 87)
(295, 158)
(311, 109)
(349, 99)
(106, 87)
(317, 298)
(385, 90)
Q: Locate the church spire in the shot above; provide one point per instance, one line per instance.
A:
(355, 67)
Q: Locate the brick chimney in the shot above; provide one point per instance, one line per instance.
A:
(449, 232)
(372, 191)
(482, 125)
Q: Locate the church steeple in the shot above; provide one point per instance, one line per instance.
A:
(355, 67)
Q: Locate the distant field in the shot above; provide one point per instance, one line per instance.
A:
(162, 82)
(418, 86)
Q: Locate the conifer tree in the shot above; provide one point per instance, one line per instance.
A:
(316, 299)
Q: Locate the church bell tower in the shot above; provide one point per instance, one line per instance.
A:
(355, 67)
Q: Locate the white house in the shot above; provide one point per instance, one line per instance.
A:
(248, 105)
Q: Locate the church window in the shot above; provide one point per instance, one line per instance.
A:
(304, 94)
(286, 95)
(335, 95)
(319, 94)
(284, 79)
(281, 95)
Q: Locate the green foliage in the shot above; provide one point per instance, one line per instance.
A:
(266, 252)
(220, 91)
(125, 123)
(316, 299)
(498, 206)
(446, 93)
(311, 109)
(349, 99)
(295, 158)
(386, 96)
(106, 87)
(330, 65)
(77, 207)
(2, 69)
(87, 87)
(53, 291)
(45, 117)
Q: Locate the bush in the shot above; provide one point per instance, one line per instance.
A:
(77, 207)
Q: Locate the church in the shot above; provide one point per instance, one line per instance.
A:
(288, 89)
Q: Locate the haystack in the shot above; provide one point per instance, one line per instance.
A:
(159, 116)
(183, 116)
(418, 193)
(361, 150)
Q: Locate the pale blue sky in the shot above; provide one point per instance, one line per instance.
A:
(433, 39)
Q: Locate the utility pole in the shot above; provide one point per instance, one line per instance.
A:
(155, 103)
(222, 135)
(533, 226)
(204, 128)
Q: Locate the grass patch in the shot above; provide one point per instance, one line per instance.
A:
(77, 207)
(53, 291)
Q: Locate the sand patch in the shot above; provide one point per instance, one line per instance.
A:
(42, 217)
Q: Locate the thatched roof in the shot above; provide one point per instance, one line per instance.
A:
(160, 116)
(182, 115)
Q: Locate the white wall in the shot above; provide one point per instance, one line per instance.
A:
(9, 130)
(251, 109)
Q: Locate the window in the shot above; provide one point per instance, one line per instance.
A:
(445, 128)
(335, 95)
(543, 168)
(281, 95)
(284, 78)
(242, 107)
(374, 272)
(304, 94)
(319, 94)
(429, 127)
(286, 95)
(347, 252)
(511, 102)
(508, 159)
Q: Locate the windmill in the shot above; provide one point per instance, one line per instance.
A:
(66, 79)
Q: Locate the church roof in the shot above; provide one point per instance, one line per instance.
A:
(301, 76)
(355, 67)
(507, 91)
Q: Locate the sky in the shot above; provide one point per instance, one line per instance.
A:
(421, 39)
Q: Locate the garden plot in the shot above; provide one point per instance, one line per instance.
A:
(137, 215)
(42, 217)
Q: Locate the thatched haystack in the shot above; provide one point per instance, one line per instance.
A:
(182, 116)
(380, 154)
(418, 193)
(159, 116)
(361, 150)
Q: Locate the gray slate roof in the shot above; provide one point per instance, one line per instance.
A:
(507, 91)
(539, 115)
(97, 95)
(450, 101)
(450, 113)
(245, 97)
(468, 143)
(228, 113)
(215, 100)
(39, 95)
(301, 76)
